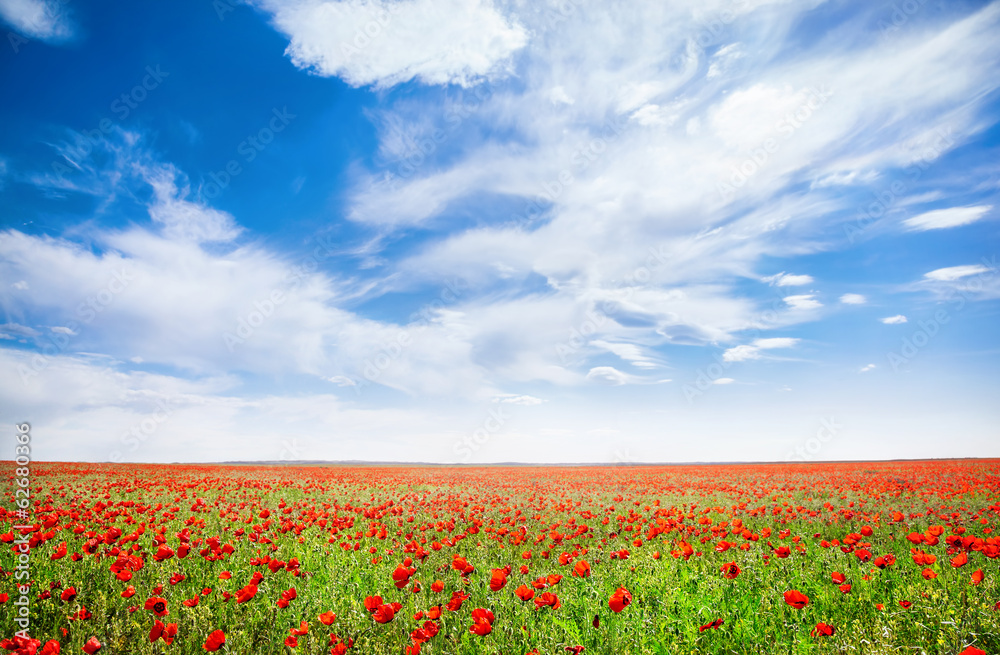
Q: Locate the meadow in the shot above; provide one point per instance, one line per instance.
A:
(868, 558)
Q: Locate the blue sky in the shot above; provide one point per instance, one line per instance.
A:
(474, 231)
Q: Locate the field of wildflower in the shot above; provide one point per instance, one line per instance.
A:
(865, 558)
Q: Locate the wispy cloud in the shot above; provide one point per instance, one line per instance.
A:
(893, 320)
(853, 299)
(952, 273)
(944, 218)
(803, 301)
(46, 20)
(753, 350)
(787, 280)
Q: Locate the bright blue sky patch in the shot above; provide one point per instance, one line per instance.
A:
(470, 231)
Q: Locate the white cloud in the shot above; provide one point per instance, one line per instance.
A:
(752, 351)
(607, 375)
(776, 342)
(853, 299)
(342, 381)
(20, 285)
(59, 329)
(786, 280)
(515, 399)
(182, 219)
(953, 273)
(944, 218)
(629, 352)
(894, 320)
(741, 353)
(804, 301)
(385, 43)
(723, 381)
(866, 368)
(39, 19)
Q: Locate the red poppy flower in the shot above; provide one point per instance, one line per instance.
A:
(157, 605)
(300, 631)
(401, 576)
(498, 578)
(191, 602)
(547, 599)
(286, 597)
(972, 650)
(524, 593)
(166, 632)
(69, 593)
(457, 598)
(291, 642)
(215, 640)
(372, 603)
(905, 604)
(163, 553)
(711, 625)
(129, 592)
(51, 647)
(620, 600)
(437, 586)
(581, 569)
(823, 630)
(977, 576)
(327, 618)
(730, 570)
(928, 574)
(246, 593)
(92, 646)
(384, 613)
(796, 599)
(482, 622)
(845, 588)
(960, 561)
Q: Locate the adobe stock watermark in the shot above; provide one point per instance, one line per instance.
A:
(582, 158)
(51, 13)
(87, 311)
(759, 156)
(714, 374)
(291, 450)
(829, 428)
(264, 308)
(22, 502)
(712, 30)
(470, 444)
(595, 318)
(419, 151)
(248, 150)
(122, 107)
(138, 433)
(901, 14)
(391, 350)
(928, 329)
(887, 197)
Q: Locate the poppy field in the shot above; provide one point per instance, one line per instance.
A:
(868, 558)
